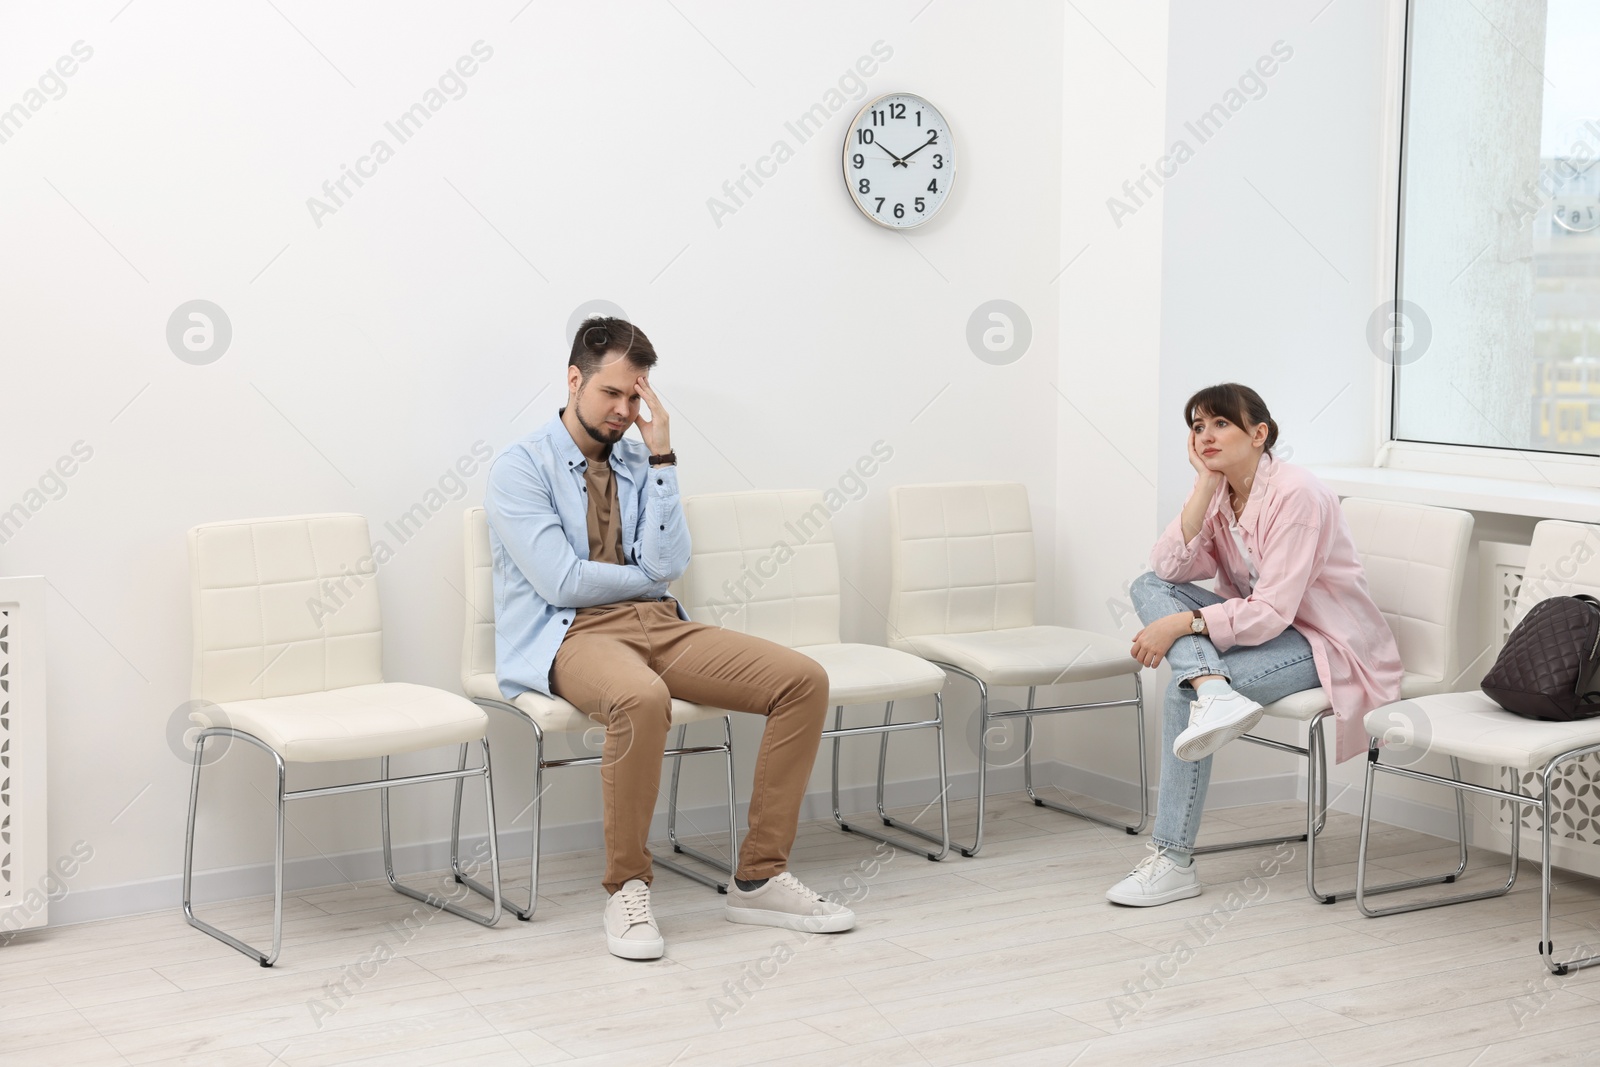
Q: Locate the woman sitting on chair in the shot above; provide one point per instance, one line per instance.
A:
(1291, 612)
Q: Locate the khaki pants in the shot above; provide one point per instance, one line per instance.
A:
(622, 664)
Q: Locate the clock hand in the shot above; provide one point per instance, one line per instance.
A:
(898, 162)
(919, 148)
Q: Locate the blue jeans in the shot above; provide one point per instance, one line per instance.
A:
(1263, 673)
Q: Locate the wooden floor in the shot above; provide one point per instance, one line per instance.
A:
(1010, 958)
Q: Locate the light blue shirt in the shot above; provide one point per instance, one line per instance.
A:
(539, 536)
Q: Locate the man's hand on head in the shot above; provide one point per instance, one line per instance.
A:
(655, 430)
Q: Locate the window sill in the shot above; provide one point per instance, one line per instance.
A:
(1538, 500)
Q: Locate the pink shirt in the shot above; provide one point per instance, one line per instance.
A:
(1310, 577)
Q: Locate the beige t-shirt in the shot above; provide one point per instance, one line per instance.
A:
(605, 516)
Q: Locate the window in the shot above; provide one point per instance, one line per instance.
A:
(1495, 333)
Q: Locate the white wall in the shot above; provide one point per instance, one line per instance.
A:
(1274, 246)
(428, 313)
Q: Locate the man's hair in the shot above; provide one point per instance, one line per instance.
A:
(602, 338)
(1237, 403)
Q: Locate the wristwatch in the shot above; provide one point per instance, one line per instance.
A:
(663, 459)
(1199, 624)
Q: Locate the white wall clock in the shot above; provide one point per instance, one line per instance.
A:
(899, 160)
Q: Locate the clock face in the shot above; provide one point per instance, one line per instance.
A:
(1575, 199)
(1577, 214)
(899, 161)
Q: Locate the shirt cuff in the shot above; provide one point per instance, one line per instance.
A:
(1219, 627)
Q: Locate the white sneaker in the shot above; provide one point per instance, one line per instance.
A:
(1156, 880)
(785, 902)
(1213, 722)
(631, 931)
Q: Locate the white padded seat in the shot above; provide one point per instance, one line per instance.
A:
(356, 722)
(797, 605)
(1563, 560)
(872, 674)
(288, 656)
(1309, 703)
(962, 586)
(554, 714)
(1471, 726)
(764, 564)
(1027, 655)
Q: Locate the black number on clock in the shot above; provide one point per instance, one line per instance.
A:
(879, 207)
(899, 211)
(857, 162)
(897, 111)
(863, 137)
(877, 117)
(933, 136)
(938, 161)
(864, 186)
(920, 205)
(933, 186)
(919, 118)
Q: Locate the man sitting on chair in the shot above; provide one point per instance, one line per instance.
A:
(587, 529)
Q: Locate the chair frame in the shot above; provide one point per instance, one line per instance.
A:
(985, 717)
(1542, 803)
(1316, 754)
(383, 783)
(541, 764)
(889, 726)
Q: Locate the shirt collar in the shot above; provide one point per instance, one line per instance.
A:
(566, 449)
(1247, 520)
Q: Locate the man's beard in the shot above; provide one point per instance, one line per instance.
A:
(605, 437)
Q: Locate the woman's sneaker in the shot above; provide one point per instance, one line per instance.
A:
(1156, 880)
(784, 901)
(1213, 722)
(631, 931)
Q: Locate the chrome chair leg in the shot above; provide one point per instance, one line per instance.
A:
(942, 839)
(1363, 890)
(1069, 809)
(942, 799)
(725, 867)
(986, 717)
(264, 958)
(382, 784)
(431, 899)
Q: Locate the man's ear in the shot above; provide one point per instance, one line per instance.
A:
(574, 379)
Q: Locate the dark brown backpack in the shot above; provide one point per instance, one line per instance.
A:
(1541, 671)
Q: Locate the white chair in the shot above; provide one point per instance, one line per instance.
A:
(764, 564)
(552, 715)
(1563, 559)
(288, 657)
(1415, 558)
(961, 595)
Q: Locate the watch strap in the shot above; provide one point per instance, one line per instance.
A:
(663, 459)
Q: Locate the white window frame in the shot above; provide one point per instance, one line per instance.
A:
(1561, 469)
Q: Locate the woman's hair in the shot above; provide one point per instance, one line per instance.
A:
(1237, 403)
(600, 336)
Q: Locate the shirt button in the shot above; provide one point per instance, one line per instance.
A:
(663, 527)
(658, 481)
(565, 621)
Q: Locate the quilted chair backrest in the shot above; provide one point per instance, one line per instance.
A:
(1563, 560)
(764, 564)
(960, 558)
(283, 606)
(1415, 558)
(477, 642)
